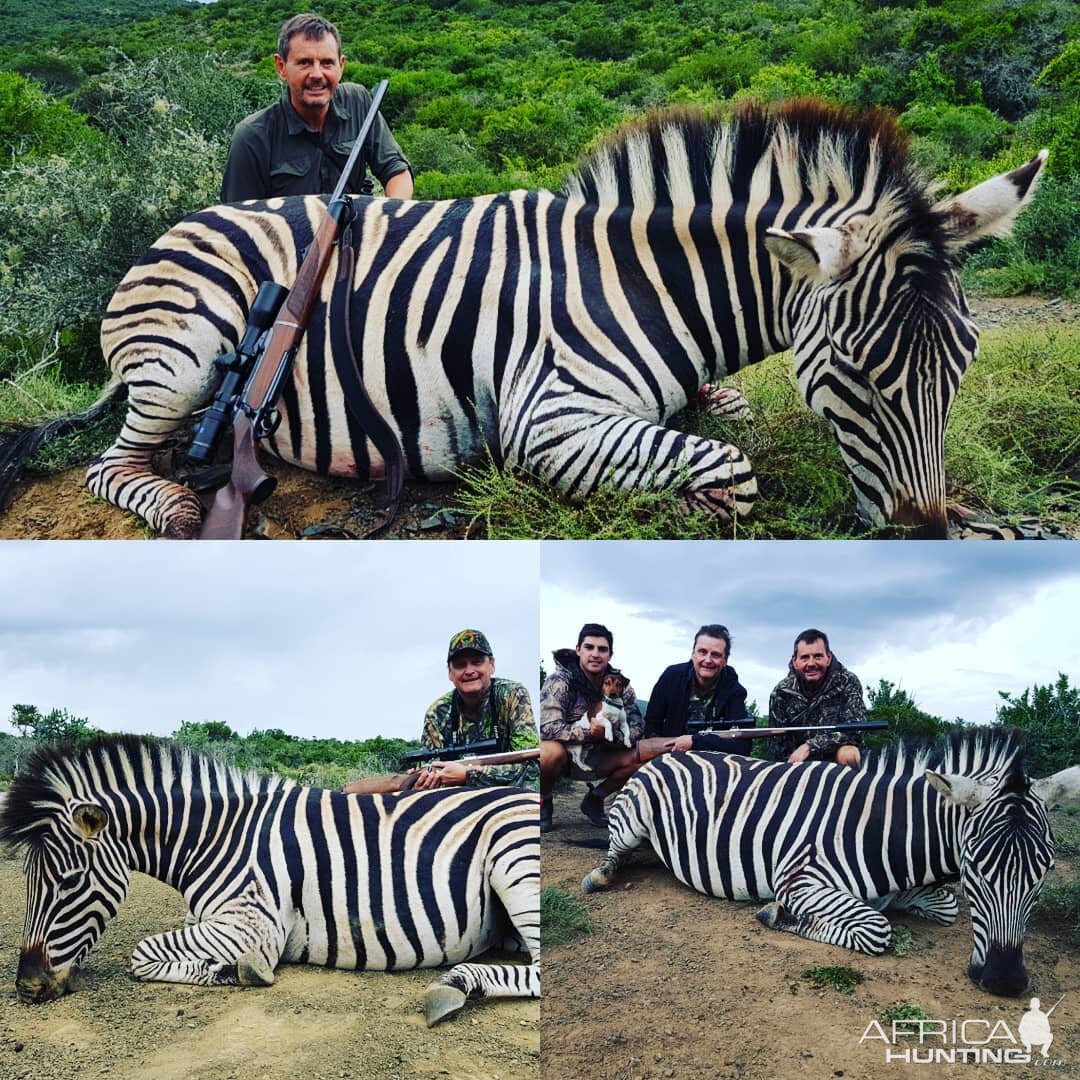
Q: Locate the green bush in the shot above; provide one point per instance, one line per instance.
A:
(1049, 716)
(965, 130)
(31, 125)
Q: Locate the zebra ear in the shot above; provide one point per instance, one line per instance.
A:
(988, 209)
(89, 819)
(1061, 787)
(962, 790)
(823, 254)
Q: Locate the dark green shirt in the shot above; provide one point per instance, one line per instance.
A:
(273, 152)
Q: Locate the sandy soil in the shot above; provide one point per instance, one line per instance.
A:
(671, 983)
(313, 1023)
(59, 507)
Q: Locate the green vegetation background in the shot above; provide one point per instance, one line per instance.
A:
(115, 122)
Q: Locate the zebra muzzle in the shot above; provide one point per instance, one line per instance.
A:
(1002, 973)
(35, 983)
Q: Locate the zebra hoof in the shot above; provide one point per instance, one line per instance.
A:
(253, 970)
(441, 1001)
(588, 885)
(769, 915)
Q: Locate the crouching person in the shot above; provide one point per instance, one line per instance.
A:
(575, 722)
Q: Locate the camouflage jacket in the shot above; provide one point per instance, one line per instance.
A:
(506, 714)
(565, 696)
(839, 701)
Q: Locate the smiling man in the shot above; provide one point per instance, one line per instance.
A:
(480, 706)
(817, 692)
(570, 692)
(300, 145)
(703, 692)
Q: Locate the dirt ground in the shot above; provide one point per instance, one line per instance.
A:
(671, 983)
(304, 505)
(313, 1023)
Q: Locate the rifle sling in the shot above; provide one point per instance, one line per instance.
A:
(350, 375)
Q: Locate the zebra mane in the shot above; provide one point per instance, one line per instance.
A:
(55, 776)
(972, 752)
(682, 157)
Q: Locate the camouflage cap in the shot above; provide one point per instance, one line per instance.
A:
(468, 641)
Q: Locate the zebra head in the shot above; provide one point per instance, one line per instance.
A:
(882, 334)
(77, 875)
(1006, 851)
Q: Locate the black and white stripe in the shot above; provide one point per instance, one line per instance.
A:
(837, 846)
(561, 332)
(272, 872)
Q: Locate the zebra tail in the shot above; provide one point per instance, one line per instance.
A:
(19, 442)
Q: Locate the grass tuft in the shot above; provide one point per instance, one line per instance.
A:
(903, 1010)
(902, 942)
(563, 917)
(841, 979)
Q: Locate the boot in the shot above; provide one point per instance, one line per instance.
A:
(592, 806)
(547, 806)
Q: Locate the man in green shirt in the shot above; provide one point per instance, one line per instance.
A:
(479, 707)
(300, 145)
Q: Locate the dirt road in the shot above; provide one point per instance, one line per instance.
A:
(671, 983)
(312, 1024)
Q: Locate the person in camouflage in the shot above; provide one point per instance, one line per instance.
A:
(818, 691)
(479, 707)
(574, 685)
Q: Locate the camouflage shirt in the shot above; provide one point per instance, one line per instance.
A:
(838, 701)
(505, 714)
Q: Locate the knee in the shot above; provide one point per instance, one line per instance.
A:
(554, 759)
(849, 755)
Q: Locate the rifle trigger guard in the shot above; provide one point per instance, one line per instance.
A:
(268, 423)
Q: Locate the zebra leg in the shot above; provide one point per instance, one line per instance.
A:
(927, 901)
(515, 880)
(626, 831)
(577, 447)
(724, 401)
(239, 945)
(810, 905)
(167, 381)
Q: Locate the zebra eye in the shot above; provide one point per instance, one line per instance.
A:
(71, 880)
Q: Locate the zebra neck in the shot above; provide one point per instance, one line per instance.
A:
(707, 276)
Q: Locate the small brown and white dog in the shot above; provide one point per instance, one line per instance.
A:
(609, 712)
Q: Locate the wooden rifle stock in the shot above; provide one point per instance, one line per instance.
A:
(388, 783)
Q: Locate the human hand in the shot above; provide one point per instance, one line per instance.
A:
(430, 776)
(800, 753)
(682, 743)
(848, 755)
(597, 731)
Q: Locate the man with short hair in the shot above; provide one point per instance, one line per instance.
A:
(703, 692)
(817, 692)
(480, 706)
(300, 145)
(568, 692)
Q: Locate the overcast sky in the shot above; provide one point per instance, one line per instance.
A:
(320, 639)
(951, 623)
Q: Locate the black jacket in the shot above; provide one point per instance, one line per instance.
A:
(669, 702)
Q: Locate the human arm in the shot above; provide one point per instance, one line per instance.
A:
(634, 721)
(556, 710)
(517, 731)
(399, 186)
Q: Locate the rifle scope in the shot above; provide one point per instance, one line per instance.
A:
(237, 367)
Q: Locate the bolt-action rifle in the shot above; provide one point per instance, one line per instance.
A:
(647, 749)
(257, 371)
(751, 732)
(390, 782)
